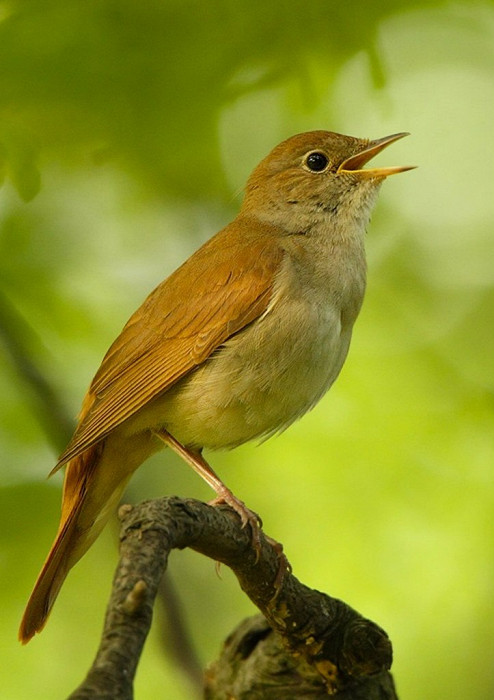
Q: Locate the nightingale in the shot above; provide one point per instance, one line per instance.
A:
(240, 341)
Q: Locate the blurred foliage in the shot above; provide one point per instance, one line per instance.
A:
(126, 130)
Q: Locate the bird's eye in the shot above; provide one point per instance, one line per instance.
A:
(316, 161)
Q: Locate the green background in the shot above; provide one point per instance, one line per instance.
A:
(127, 131)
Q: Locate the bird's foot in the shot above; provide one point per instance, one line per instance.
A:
(224, 495)
(247, 516)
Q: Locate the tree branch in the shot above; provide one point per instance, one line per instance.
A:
(175, 635)
(19, 339)
(319, 638)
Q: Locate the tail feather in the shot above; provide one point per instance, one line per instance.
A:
(49, 582)
(90, 495)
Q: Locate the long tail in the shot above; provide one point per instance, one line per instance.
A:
(90, 495)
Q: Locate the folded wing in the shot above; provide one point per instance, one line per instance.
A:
(222, 288)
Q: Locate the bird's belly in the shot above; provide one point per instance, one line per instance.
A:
(259, 382)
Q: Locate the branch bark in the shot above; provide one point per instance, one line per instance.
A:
(320, 642)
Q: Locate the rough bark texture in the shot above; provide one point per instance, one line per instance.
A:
(305, 645)
(255, 665)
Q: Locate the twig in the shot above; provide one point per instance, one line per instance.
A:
(19, 339)
(320, 632)
(175, 635)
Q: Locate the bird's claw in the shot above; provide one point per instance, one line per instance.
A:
(247, 517)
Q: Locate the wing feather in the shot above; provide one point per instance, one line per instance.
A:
(178, 327)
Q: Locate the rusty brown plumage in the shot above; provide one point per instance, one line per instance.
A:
(240, 341)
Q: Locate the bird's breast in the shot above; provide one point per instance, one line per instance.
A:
(268, 374)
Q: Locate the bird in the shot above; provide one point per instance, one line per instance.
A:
(235, 345)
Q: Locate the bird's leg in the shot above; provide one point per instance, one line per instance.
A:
(195, 459)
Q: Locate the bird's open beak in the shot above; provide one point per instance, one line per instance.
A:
(354, 163)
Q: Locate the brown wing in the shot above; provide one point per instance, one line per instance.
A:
(223, 287)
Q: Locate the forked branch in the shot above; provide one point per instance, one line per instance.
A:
(324, 646)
